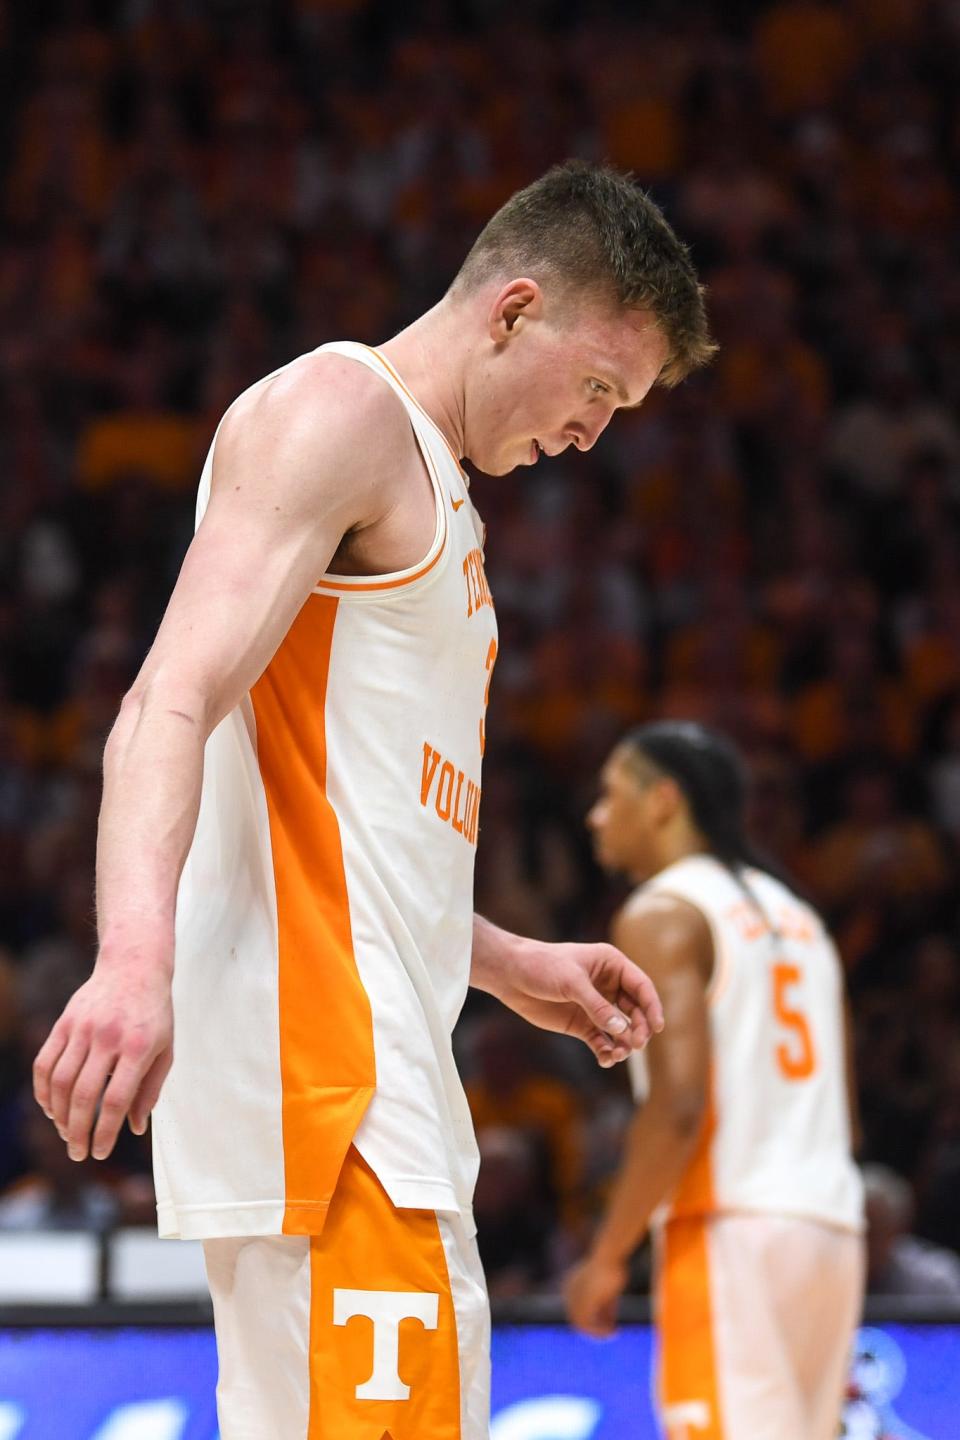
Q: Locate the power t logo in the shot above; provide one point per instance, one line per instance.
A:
(386, 1308)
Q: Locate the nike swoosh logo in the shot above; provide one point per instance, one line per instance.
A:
(455, 503)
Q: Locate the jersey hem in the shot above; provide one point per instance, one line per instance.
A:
(219, 1222)
(235, 1219)
(409, 1193)
(780, 1212)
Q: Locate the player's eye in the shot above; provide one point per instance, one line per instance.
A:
(598, 387)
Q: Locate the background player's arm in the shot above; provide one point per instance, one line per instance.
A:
(675, 942)
(288, 484)
(593, 992)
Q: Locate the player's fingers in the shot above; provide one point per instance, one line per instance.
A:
(115, 1101)
(598, 1321)
(43, 1066)
(640, 1028)
(598, 1009)
(68, 1066)
(606, 1319)
(607, 1051)
(577, 1313)
(642, 993)
(88, 1089)
(149, 1092)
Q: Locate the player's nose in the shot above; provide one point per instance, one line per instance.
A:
(585, 433)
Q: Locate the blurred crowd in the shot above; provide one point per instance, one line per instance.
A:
(195, 191)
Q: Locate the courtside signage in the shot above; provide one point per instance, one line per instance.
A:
(549, 1384)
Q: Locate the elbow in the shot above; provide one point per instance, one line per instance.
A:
(168, 693)
(144, 701)
(687, 1112)
(123, 727)
(131, 706)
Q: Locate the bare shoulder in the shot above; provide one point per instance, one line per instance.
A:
(665, 927)
(320, 431)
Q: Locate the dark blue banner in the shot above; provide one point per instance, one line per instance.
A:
(549, 1384)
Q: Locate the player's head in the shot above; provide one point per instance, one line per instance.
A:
(670, 789)
(576, 299)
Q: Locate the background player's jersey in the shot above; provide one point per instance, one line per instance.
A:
(324, 917)
(776, 1138)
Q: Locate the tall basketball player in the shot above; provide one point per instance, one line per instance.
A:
(290, 816)
(740, 1154)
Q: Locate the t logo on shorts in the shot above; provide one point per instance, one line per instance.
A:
(386, 1308)
(683, 1420)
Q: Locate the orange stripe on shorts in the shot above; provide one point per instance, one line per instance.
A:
(372, 1255)
(688, 1382)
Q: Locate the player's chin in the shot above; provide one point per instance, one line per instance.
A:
(508, 460)
(496, 464)
(507, 464)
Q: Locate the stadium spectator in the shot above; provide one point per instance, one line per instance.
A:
(898, 1263)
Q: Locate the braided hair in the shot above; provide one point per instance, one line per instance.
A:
(712, 776)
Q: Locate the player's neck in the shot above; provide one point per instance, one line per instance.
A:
(680, 846)
(428, 356)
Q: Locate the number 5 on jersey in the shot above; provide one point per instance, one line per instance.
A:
(796, 1057)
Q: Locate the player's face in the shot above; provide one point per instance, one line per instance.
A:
(551, 383)
(623, 819)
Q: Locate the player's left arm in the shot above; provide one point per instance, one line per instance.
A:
(593, 992)
(675, 942)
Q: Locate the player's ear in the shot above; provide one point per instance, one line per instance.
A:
(517, 302)
(667, 798)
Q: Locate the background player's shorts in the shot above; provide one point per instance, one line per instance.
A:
(377, 1327)
(755, 1318)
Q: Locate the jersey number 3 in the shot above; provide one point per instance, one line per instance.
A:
(796, 1059)
(491, 658)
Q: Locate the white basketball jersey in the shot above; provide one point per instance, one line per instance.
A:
(776, 1137)
(325, 912)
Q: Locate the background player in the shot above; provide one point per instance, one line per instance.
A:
(294, 781)
(740, 1153)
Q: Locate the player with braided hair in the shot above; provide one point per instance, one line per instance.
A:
(739, 1157)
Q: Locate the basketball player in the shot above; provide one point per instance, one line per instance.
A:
(290, 813)
(740, 1153)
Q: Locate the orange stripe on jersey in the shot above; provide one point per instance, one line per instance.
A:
(327, 1065)
(695, 1194)
(688, 1384)
(369, 1247)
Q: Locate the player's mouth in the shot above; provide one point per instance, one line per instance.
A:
(536, 450)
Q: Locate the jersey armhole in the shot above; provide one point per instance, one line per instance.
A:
(331, 583)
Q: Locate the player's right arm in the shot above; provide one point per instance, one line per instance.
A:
(289, 482)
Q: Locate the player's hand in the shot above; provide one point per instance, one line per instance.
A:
(106, 1058)
(591, 1292)
(591, 991)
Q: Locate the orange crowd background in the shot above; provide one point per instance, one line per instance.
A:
(194, 193)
